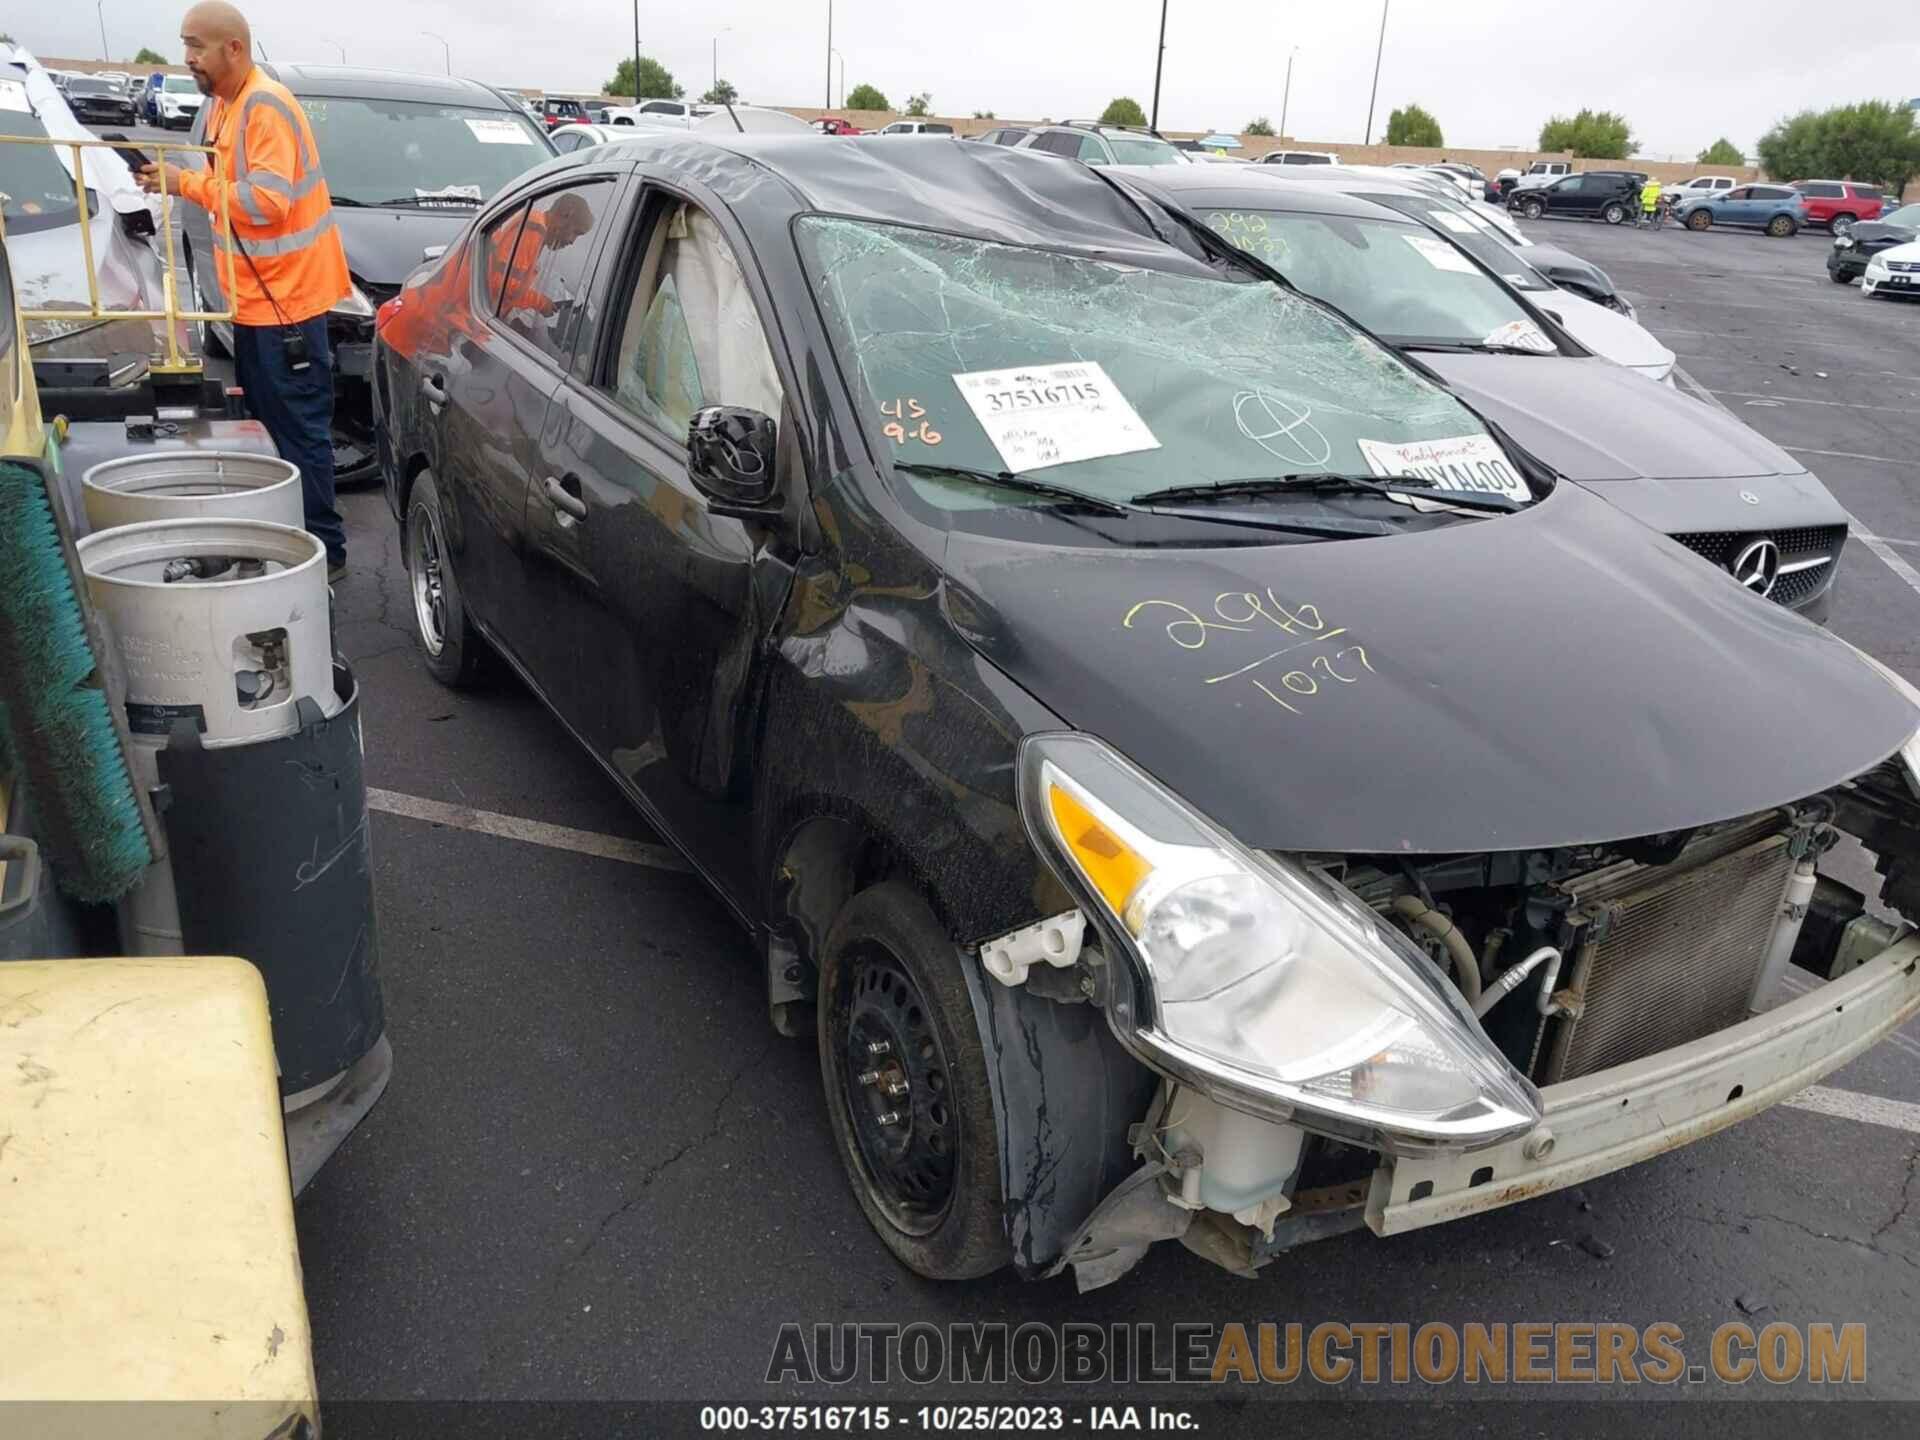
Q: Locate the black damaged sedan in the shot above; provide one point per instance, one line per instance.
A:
(1193, 778)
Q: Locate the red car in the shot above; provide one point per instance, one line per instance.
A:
(1838, 203)
(834, 125)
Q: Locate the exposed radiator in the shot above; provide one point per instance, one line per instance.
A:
(1664, 955)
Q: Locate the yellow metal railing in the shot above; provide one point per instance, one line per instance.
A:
(173, 359)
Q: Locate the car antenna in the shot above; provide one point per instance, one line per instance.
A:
(733, 117)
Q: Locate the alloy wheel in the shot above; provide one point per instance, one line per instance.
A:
(429, 591)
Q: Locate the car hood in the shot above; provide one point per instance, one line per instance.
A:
(1607, 333)
(1551, 260)
(1907, 252)
(1879, 232)
(1549, 678)
(1590, 419)
(385, 246)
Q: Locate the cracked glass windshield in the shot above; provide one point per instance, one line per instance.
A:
(1117, 381)
(1401, 281)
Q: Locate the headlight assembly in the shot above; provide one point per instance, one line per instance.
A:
(1257, 981)
(355, 303)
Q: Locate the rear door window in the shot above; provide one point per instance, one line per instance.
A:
(1818, 191)
(542, 288)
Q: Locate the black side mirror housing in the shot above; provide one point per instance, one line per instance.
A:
(730, 457)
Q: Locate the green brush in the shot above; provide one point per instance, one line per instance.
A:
(61, 725)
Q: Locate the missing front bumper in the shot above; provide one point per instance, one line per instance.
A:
(1612, 1118)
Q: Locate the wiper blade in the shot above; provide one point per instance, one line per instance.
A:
(1007, 480)
(426, 200)
(1469, 347)
(1315, 482)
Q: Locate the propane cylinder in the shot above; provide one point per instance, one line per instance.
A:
(223, 623)
(192, 485)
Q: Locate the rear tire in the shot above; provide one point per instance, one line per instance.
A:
(1781, 226)
(928, 1179)
(1699, 220)
(450, 647)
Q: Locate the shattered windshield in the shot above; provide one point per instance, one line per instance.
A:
(1400, 280)
(1109, 378)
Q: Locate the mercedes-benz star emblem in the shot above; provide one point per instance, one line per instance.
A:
(1757, 567)
(1749, 497)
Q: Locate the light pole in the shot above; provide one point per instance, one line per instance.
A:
(443, 45)
(635, 97)
(843, 64)
(835, 54)
(724, 30)
(1377, 51)
(341, 48)
(100, 8)
(1160, 55)
(1287, 94)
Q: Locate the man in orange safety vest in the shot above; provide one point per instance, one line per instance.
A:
(288, 266)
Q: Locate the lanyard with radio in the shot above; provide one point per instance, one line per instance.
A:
(294, 341)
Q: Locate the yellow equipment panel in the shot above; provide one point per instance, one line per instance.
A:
(147, 1247)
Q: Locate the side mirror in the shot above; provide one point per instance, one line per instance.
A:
(730, 457)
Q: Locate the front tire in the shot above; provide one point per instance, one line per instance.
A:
(1532, 209)
(1842, 224)
(1781, 226)
(1699, 220)
(450, 647)
(906, 1083)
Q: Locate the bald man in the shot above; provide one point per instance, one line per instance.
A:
(286, 263)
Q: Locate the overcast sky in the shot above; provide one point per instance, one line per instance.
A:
(1683, 71)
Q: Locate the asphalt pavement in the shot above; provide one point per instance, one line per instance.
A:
(599, 1175)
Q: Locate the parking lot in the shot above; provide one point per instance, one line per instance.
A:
(598, 1174)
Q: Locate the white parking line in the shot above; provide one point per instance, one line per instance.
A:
(1847, 455)
(1797, 400)
(1868, 1109)
(532, 832)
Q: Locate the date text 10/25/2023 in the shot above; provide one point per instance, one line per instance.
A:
(1331, 665)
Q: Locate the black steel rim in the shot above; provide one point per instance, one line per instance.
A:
(897, 1088)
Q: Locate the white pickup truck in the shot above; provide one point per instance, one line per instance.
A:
(1700, 185)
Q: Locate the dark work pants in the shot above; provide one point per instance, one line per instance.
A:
(296, 406)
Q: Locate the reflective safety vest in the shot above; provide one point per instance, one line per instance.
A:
(267, 166)
(521, 272)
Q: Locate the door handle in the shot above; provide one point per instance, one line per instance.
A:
(562, 499)
(434, 388)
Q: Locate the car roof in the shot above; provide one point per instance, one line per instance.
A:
(992, 192)
(1252, 188)
(360, 82)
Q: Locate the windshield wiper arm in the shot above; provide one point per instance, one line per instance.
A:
(1315, 482)
(1006, 479)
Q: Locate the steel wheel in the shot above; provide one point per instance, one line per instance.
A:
(429, 590)
(1699, 220)
(1781, 226)
(1614, 214)
(897, 1085)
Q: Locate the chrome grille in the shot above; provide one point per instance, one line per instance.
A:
(1667, 955)
(1904, 266)
(1816, 549)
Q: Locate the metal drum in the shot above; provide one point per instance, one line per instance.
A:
(222, 625)
(192, 485)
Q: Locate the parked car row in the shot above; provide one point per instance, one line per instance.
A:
(1227, 671)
